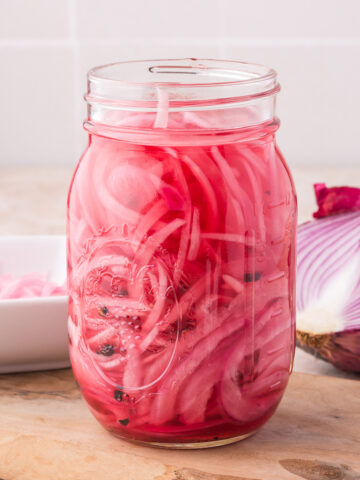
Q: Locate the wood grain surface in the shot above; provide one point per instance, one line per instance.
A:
(46, 432)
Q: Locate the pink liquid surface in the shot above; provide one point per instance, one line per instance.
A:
(181, 269)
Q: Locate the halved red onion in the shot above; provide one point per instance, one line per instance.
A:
(328, 279)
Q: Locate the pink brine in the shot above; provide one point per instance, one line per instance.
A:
(181, 241)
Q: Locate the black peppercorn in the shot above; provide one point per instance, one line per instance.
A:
(103, 311)
(106, 350)
(249, 277)
(124, 422)
(118, 395)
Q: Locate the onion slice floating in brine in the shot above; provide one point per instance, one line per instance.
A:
(328, 278)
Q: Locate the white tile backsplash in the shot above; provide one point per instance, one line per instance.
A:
(47, 46)
(318, 104)
(148, 19)
(33, 19)
(290, 18)
(36, 123)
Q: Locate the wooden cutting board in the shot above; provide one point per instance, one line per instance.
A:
(46, 432)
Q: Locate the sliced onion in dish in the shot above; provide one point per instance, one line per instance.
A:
(27, 286)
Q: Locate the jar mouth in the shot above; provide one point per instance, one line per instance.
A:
(187, 82)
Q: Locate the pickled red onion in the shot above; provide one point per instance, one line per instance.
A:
(199, 273)
(28, 286)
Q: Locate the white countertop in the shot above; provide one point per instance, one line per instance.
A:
(33, 201)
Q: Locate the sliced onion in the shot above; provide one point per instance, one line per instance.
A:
(183, 243)
(27, 286)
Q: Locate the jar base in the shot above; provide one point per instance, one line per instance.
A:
(192, 445)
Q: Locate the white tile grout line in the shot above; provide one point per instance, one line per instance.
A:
(222, 50)
(220, 41)
(33, 43)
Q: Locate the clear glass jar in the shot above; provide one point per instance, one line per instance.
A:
(181, 252)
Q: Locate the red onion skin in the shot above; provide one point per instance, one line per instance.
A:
(342, 349)
(335, 200)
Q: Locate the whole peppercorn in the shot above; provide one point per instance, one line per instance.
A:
(124, 421)
(103, 311)
(249, 277)
(118, 395)
(106, 350)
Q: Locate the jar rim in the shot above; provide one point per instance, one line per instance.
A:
(137, 83)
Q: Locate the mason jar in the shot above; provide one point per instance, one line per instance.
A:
(181, 252)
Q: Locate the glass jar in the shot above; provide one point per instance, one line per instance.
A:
(181, 252)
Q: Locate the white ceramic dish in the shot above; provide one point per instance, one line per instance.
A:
(33, 331)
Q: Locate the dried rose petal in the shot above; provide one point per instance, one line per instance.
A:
(336, 200)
